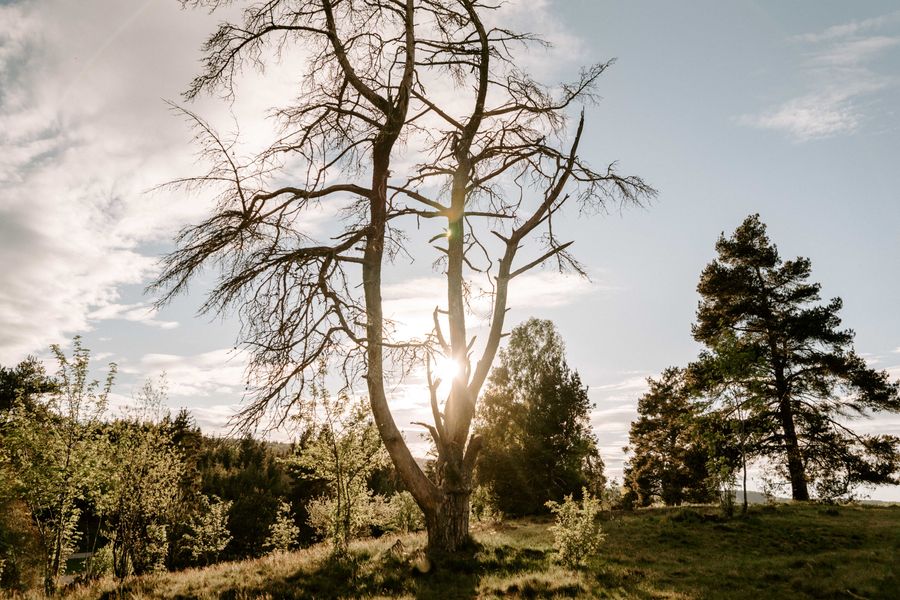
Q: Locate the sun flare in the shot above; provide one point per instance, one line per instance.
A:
(446, 369)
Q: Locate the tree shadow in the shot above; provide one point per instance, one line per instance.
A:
(512, 571)
(365, 575)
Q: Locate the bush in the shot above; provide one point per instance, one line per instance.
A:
(354, 519)
(207, 531)
(283, 533)
(577, 532)
(483, 505)
(402, 514)
(99, 564)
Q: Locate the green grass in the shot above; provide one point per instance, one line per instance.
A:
(786, 551)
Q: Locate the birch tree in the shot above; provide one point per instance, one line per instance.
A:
(55, 449)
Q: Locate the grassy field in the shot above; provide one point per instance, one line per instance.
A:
(786, 551)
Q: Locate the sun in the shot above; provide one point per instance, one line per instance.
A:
(446, 369)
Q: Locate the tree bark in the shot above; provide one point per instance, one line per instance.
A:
(448, 522)
(799, 489)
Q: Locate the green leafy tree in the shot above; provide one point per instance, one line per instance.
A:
(534, 420)
(283, 533)
(207, 533)
(53, 449)
(669, 456)
(23, 384)
(809, 382)
(21, 556)
(344, 452)
(145, 471)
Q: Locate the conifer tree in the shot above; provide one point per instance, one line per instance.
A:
(806, 381)
(669, 454)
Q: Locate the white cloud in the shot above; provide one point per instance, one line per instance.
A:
(894, 372)
(809, 117)
(543, 17)
(840, 82)
(411, 303)
(84, 133)
(549, 289)
(215, 419)
(848, 29)
(615, 409)
(635, 382)
(73, 163)
(139, 312)
(853, 52)
(215, 374)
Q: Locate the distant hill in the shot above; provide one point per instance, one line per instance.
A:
(754, 497)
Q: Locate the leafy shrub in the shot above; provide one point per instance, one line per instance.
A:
(402, 514)
(208, 533)
(483, 505)
(99, 564)
(344, 450)
(355, 518)
(283, 532)
(577, 532)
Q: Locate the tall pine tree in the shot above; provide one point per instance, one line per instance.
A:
(807, 382)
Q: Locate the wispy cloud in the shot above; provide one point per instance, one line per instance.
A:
(840, 81)
(214, 374)
(849, 29)
(814, 116)
(852, 53)
(139, 312)
(410, 304)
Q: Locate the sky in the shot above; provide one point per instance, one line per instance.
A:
(789, 110)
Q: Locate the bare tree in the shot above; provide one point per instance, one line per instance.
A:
(497, 170)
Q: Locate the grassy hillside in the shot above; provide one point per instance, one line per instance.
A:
(776, 552)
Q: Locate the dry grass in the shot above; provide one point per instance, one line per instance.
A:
(775, 552)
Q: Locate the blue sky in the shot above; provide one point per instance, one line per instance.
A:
(786, 109)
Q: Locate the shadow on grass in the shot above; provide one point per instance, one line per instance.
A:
(364, 574)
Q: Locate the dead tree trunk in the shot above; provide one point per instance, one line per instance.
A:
(303, 306)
